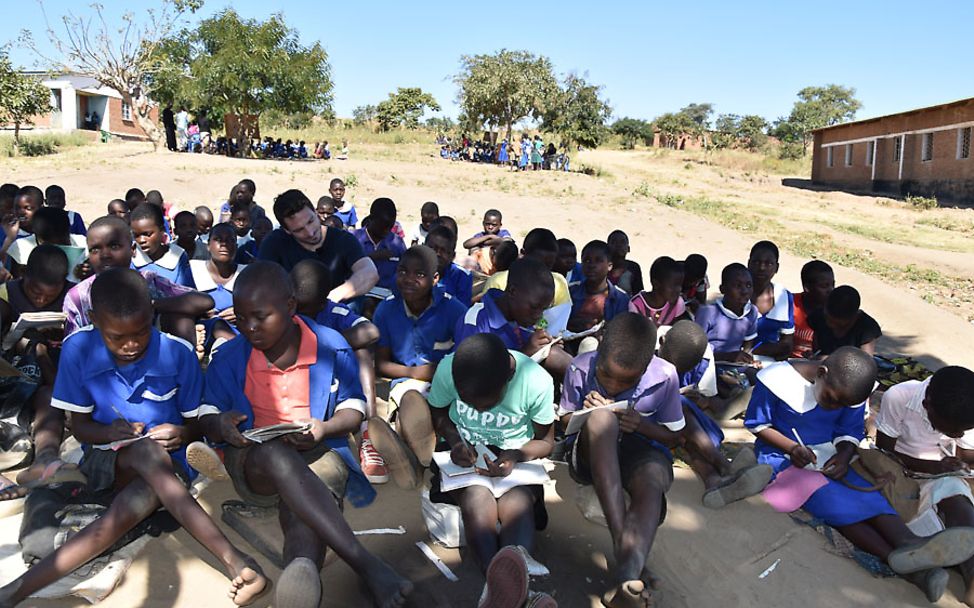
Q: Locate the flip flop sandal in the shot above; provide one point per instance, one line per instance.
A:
(13, 486)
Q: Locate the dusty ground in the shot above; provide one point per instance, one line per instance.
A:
(671, 204)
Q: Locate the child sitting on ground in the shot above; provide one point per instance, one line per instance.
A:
(50, 226)
(240, 221)
(153, 254)
(841, 323)
(185, 228)
(798, 405)
(120, 381)
(216, 276)
(119, 209)
(627, 274)
(204, 222)
(664, 304)
(454, 280)
(626, 449)
(29, 200)
(594, 298)
(929, 427)
(416, 329)
(567, 264)
(731, 321)
(695, 282)
(774, 305)
(312, 284)
(818, 281)
(262, 227)
(478, 246)
(325, 208)
(502, 255)
(345, 210)
(427, 215)
(380, 243)
(54, 197)
(482, 394)
(247, 383)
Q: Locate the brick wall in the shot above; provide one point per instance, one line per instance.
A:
(122, 127)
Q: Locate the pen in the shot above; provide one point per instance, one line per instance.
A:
(798, 437)
(750, 351)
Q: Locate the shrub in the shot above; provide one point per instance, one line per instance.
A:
(922, 203)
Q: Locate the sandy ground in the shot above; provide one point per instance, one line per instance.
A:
(703, 556)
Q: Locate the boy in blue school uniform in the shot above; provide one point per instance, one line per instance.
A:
(124, 380)
(287, 369)
(455, 280)
(168, 261)
(416, 329)
(594, 298)
(380, 243)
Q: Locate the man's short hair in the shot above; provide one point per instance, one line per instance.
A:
(528, 274)
(424, 255)
(481, 366)
(114, 222)
(853, 371)
(684, 345)
(445, 233)
(843, 302)
(596, 246)
(290, 202)
(47, 264)
(731, 270)
(121, 293)
(264, 275)
(204, 213)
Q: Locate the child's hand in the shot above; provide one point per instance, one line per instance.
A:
(594, 399)
(169, 436)
(951, 464)
(463, 455)
(629, 420)
(120, 429)
(310, 438)
(228, 315)
(228, 428)
(500, 466)
(538, 339)
(743, 357)
(801, 456)
(836, 467)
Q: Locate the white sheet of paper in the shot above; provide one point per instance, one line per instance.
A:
(579, 417)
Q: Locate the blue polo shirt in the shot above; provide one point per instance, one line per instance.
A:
(485, 317)
(616, 301)
(164, 386)
(458, 282)
(338, 317)
(386, 268)
(418, 340)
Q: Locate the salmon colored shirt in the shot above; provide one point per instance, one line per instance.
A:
(282, 395)
(804, 334)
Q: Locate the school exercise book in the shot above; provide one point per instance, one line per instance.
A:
(266, 433)
(32, 320)
(524, 474)
(580, 416)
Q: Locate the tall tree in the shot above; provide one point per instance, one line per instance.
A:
(364, 114)
(578, 114)
(817, 107)
(21, 97)
(633, 130)
(731, 130)
(122, 58)
(404, 108)
(500, 89)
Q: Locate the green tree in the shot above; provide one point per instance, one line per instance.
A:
(632, 131)
(404, 108)
(500, 89)
(21, 97)
(816, 107)
(441, 124)
(122, 57)
(247, 67)
(748, 132)
(364, 114)
(578, 114)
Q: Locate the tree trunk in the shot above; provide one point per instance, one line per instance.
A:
(143, 116)
(16, 139)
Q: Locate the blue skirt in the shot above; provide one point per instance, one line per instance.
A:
(708, 424)
(838, 505)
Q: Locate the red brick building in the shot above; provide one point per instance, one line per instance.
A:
(924, 152)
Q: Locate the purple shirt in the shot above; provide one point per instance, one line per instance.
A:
(77, 302)
(386, 268)
(656, 395)
(726, 331)
(485, 317)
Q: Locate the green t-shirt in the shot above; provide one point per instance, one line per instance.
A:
(529, 398)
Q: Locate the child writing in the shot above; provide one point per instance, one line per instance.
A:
(454, 280)
(627, 274)
(798, 405)
(774, 304)
(246, 387)
(121, 381)
(153, 254)
(841, 323)
(664, 304)
(595, 299)
(818, 281)
(427, 215)
(695, 282)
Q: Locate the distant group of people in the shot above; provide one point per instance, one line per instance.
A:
(270, 148)
(185, 134)
(528, 154)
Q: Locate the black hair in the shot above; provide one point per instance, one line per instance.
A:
(596, 246)
(443, 232)
(154, 197)
(853, 370)
(336, 180)
(51, 224)
(494, 213)
(732, 269)
(221, 227)
(267, 277)
(765, 246)
(333, 221)
(312, 283)
(148, 211)
(566, 243)
(951, 394)
(684, 345)
(663, 267)
(134, 196)
(695, 266)
(383, 207)
(422, 253)
(327, 199)
(120, 293)
(54, 190)
(528, 274)
(114, 222)
(249, 183)
(617, 233)
(430, 207)
(446, 220)
(47, 264)
(290, 202)
(240, 208)
(505, 253)
(479, 365)
(32, 191)
(813, 269)
(9, 192)
(204, 212)
(628, 341)
(540, 240)
(190, 214)
(843, 302)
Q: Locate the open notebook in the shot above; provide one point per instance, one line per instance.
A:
(32, 320)
(266, 433)
(524, 474)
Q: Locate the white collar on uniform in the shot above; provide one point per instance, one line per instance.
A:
(346, 206)
(916, 401)
(732, 314)
(169, 260)
(204, 280)
(787, 384)
(778, 312)
(243, 240)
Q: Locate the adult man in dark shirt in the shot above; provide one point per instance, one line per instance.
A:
(169, 123)
(302, 236)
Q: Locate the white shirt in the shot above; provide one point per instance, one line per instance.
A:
(903, 417)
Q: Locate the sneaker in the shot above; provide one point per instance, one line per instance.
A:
(743, 459)
(507, 580)
(373, 465)
(204, 459)
(535, 568)
(539, 599)
(402, 464)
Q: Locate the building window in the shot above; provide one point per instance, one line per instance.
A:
(870, 152)
(926, 147)
(897, 149)
(848, 155)
(963, 143)
(828, 156)
(126, 111)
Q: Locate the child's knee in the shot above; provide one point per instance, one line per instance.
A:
(602, 421)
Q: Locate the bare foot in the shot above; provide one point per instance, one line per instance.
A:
(10, 491)
(43, 473)
(388, 589)
(628, 594)
(248, 584)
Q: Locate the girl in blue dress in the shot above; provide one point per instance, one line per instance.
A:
(525, 152)
(774, 303)
(502, 156)
(802, 411)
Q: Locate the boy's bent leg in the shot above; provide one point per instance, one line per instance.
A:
(300, 584)
(598, 450)
(515, 511)
(647, 484)
(479, 510)
(277, 468)
(415, 425)
(47, 431)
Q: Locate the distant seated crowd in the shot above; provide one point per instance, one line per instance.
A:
(529, 154)
(197, 328)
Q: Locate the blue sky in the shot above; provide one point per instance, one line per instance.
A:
(650, 57)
